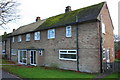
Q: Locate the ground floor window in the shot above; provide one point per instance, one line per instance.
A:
(68, 54)
(13, 51)
(3, 51)
(104, 54)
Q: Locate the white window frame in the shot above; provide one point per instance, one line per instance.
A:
(104, 54)
(108, 55)
(41, 52)
(37, 35)
(103, 28)
(19, 38)
(33, 57)
(13, 52)
(68, 31)
(67, 52)
(3, 52)
(51, 33)
(22, 58)
(28, 37)
(13, 39)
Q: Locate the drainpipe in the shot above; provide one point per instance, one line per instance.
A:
(5, 49)
(101, 46)
(10, 47)
(77, 45)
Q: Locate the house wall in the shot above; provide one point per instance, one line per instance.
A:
(88, 47)
(109, 35)
(8, 48)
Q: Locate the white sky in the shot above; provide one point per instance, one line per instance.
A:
(30, 9)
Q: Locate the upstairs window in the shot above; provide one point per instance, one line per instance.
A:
(27, 37)
(103, 28)
(51, 33)
(68, 31)
(37, 36)
(13, 39)
(19, 38)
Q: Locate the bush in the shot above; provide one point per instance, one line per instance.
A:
(118, 55)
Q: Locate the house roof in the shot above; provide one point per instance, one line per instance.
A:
(28, 28)
(83, 14)
(5, 36)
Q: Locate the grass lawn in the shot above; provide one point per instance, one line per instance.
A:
(117, 60)
(43, 72)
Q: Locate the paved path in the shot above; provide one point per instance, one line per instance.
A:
(8, 76)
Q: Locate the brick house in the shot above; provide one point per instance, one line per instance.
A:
(79, 40)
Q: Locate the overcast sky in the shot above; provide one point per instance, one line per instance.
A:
(30, 9)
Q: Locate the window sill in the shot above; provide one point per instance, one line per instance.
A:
(27, 41)
(68, 37)
(68, 59)
(13, 54)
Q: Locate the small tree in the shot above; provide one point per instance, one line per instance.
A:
(7, 12)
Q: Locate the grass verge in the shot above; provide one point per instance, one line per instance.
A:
(43, 72)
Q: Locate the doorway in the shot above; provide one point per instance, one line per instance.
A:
(33, 57)
(22, 56)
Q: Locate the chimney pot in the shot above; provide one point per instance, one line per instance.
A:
(5, 33)
(37, 19)
(68, 9)
(13, 30)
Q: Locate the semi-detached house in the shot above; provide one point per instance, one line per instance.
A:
(79, 40)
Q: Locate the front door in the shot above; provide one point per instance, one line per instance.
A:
(33, 57)
(22, 56)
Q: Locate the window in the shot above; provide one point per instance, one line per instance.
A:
(22, 56)
(4, 42)
(51, 33)
(27, 37)
(108, 55)
(68, 31)
(68, 55)
(37, 36)
(19, 38)
(103, 28)
(13, 51)
(41, 52)
(104, 54)
(3, 52)
(13, 39)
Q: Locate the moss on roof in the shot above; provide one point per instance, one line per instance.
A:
(83, 14)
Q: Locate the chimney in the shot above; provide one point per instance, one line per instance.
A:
(68, 9)
(5, 33)
(13, 30)
(37, 19)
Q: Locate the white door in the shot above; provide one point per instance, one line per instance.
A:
(22, 56)
(33, 57)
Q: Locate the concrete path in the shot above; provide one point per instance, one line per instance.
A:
(8, 76)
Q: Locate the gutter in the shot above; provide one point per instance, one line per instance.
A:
(77, 45)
